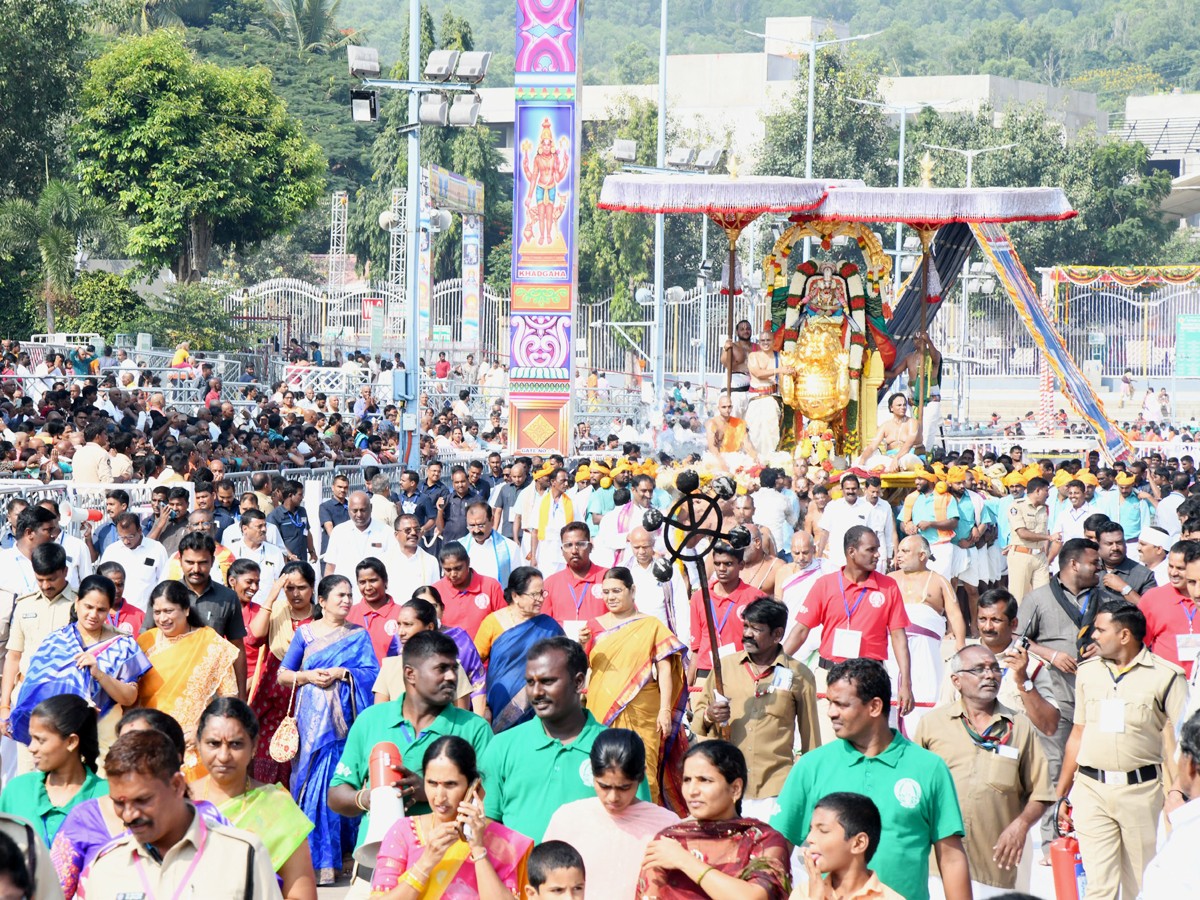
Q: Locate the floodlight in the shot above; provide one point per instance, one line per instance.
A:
(472, 66)
(388, 220)
(440, 220)
(643, 296)
(624, 150)
(709, 158)
(440, 65)
(675, 294)
(364, 105)
(680, 157)
(434, 110)
(364, 61)
(464, 111)
(988, 285)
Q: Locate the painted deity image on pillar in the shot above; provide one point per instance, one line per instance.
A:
(544, 189)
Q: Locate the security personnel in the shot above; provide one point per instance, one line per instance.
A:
(170, 848)
(1124, 697)
(1029, 538)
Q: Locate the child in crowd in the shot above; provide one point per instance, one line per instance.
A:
(556, 870)
(842, 838)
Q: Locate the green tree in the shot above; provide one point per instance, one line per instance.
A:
(40, 56)
(635, 65)
(104, 305)
(48, 232)
(849, 140)
(194, 153)
(196, 313)
(309, 26)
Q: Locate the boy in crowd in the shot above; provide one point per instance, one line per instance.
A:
(555, 870)
(842, 838)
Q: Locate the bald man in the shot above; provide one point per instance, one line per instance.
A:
(930, 602)
(794, 581)
(760, 569)
(668, 601)
(353, 541)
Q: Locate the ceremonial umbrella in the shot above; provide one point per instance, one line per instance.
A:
(732, 202)
(927, 209)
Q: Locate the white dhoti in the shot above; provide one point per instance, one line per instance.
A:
(931, 423)
(975, 572)
(739, 393)
(880, 460)
(762, 422)
(948, 560)
(925, 632)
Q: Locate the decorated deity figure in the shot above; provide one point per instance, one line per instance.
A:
(544, 170)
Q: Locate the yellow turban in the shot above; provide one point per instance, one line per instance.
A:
(1033, 470)
(1125, 480)
(600, 466)
(1061, 478)
(623, 466)
(1088, 478)
(1012, 479)
(927, 475)
(544, 472)
(956, 475)
(583, 473)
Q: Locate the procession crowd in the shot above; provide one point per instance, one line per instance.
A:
(503, 665)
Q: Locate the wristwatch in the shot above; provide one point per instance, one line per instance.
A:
(1126, 591)
(1027, 685)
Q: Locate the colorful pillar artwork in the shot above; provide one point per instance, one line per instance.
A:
(463, 196)
(545, 223)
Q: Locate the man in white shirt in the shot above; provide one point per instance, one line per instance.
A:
(773, 511)
(668, 602)
(881, 519)
(144, 560)
(252, 545)
(79, 557)
(35, 526)
(612, 538)
(839, 517)
(1070, 516)
(1153, 546)
(1167, 512)
(1173, 872)
(408, 566)
(352, 542)
(491, 553)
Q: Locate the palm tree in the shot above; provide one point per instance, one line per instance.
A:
(55, 226)
(309, 25)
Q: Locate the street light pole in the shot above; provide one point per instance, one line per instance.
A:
(969, 154)
(413, 198)
(660, 331)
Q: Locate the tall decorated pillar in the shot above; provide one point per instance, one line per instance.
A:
(545, 277)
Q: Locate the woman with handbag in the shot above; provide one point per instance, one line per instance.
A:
(333, 664)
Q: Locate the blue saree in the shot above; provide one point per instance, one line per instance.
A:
(324, 717)
(52, 671)
(506, 671)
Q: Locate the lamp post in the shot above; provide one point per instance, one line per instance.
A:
(660, 225)
(969, 154)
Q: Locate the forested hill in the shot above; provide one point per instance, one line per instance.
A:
(1112, 47)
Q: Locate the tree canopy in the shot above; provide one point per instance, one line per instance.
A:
(194, 153)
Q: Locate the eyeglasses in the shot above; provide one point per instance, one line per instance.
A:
(980, 671)
(577, 545)
(536, 595)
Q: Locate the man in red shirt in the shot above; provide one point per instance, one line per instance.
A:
(467, 596)
(859, 611)
(442, 367)
(573, 595)
(125, 617)
(730, 596)
(1171, 630)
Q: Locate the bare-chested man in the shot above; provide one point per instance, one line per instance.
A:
(930, 603)
(892, 447)
(729, 446)
(764, 413)
(735, 356)
(924, 367)
(758, 569)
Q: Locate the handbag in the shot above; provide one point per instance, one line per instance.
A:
(285, 742)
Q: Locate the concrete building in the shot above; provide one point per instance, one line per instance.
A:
(723, 98)
(1169, 126)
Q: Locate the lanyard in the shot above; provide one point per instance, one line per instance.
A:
(1083, 607)
(995, 735)
(186, 882)
(578, 599)
(851, 610)
(296, 519)
(1190, 613)
(503, 569)
(724, 618)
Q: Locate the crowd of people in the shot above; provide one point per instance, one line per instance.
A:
(495, 662)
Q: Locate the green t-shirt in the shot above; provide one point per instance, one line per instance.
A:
(600, 502)
(528, 775)
(385, 722)
(912, 788)
(26, 796)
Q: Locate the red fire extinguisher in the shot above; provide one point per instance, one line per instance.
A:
(1070, 882)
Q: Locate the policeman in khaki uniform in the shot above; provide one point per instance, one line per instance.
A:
(1112, 769)
(1029, 539)
(170, 851)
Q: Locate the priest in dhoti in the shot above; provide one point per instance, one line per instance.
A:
(764, 413)
(791, 589)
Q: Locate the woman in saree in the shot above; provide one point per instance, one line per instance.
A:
(715, 853)
(453, 852)
(88, 658)
(503, 639)
(268, 635)
(619, 825)
(93, 823)
(637, 680)
(419, 615)
(192, 664)
(468, 656)
(332, 665)
(227, 735)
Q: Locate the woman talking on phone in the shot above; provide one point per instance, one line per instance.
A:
(453, 852)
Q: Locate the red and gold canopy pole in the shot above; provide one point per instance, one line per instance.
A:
(923, 382)
(733, 224)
